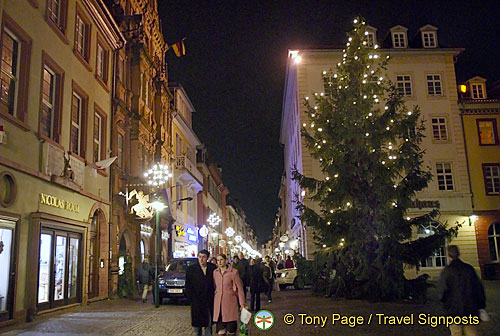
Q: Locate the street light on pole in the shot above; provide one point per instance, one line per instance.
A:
(157, 176)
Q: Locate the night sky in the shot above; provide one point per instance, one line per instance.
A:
(234, 71)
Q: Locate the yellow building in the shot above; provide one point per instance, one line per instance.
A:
(187, 179)
(424, 73)
(480, 117)
(55, 112)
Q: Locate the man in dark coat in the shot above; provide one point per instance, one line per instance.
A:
(245, 278)
(242, 271)
(257, 284)
(145, 278)
(461, 292)
(200, 292)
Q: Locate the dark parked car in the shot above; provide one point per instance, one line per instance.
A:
(172, 281)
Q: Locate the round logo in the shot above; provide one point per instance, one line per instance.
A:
(264, 319)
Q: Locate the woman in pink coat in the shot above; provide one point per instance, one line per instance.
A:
(228, 291)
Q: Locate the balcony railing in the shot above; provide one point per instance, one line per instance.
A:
(182, 162)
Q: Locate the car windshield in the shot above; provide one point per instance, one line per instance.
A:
(179, 265)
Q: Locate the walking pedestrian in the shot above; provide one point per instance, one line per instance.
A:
(461, 292)
(228, 291)
(270, 275)
(144, 278)
(242, 270)
(289, 262)
(200, 292)
(245, 277)
(256, 284)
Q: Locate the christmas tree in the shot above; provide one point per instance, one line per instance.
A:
(367, 143)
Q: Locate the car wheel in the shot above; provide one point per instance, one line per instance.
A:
(298, 283)
(282, 287)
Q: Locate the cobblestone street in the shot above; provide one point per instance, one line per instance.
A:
(127, 317)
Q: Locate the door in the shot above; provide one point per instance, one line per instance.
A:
(7, 275)
(59, 273)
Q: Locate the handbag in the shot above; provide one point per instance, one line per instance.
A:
(483, 315)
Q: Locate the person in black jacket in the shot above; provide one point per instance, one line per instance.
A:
(200, 291)
(145, 277)
(461, 292)
(256, 284)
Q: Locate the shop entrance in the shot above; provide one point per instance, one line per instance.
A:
(7, 234)
(60, 268)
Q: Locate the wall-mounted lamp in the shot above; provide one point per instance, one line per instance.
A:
(472, 219)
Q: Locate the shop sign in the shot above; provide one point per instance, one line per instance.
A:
(55, 202)
(179, 230)
(146, 229)
(164, 235)
(424, 204)
(204, 231)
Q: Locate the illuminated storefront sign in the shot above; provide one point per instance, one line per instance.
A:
(146, 229)
(55, 202)
(424, 204)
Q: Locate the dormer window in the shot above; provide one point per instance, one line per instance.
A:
(399, 39)
(370, 37)
(478, 91)
(429, 39)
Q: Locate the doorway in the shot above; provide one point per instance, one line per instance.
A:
(60, 268)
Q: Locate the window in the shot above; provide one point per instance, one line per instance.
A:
(434, 87)
(438, 257)
(102, 63)
(429, 39)
(478, 91)
(491, 173)
(11, 50)
(50, 99)
(82, 37)
(56, 13)
(444, 176)
(99, 142)
(494, 240)
(439, 129)
(399, 40)
(14, 64)
(120, 150)
(78, 122)
(487, 131)
(370, 39)
(403, 85)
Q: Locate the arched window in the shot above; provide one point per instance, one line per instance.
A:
(494, 240)
(438, 257)
(143, 250)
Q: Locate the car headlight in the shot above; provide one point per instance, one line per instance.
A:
(283, 275)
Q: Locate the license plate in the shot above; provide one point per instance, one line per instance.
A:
(175, 290)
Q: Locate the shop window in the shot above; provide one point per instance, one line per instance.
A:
(438, 257)
(494, 241)
(6, 242)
